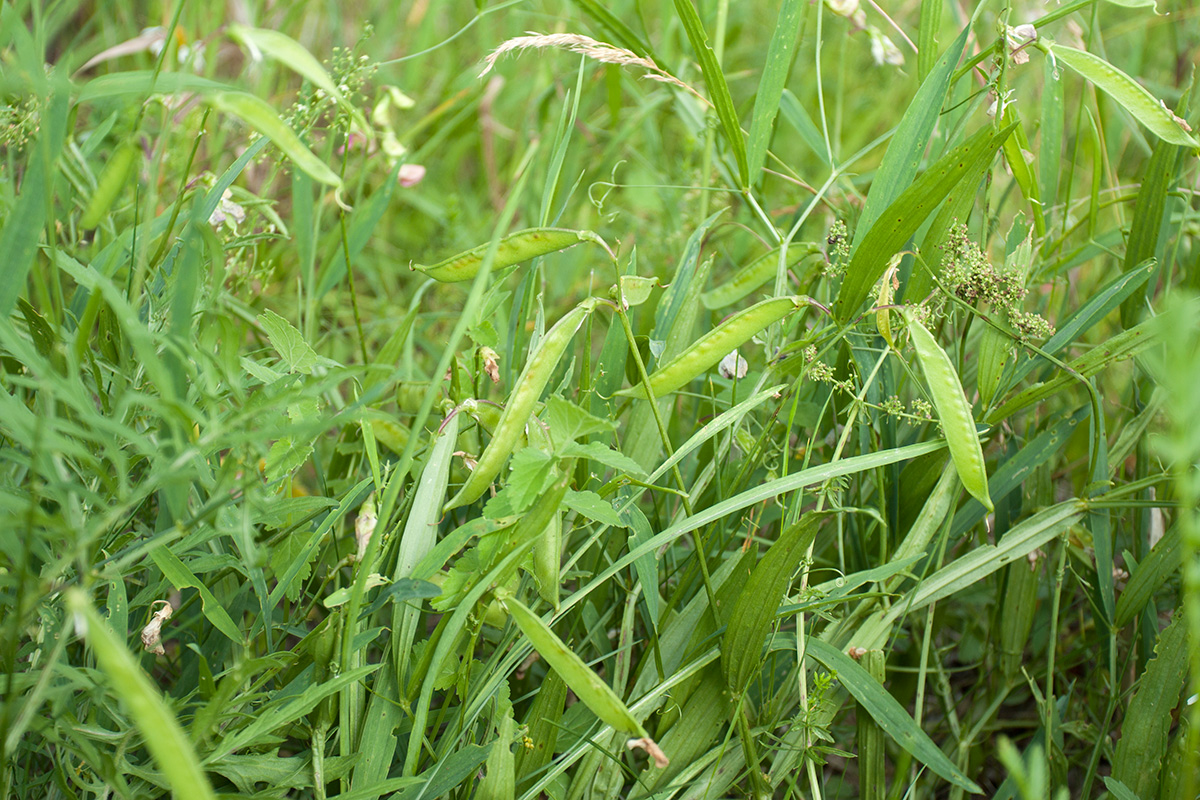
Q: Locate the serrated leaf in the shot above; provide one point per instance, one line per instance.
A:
(532, 473)
(568, 421)
(288, 342)
(285, 457)
(289, 550)
(592, 506)
(597, 451)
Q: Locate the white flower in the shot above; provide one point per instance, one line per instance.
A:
(733, 365)
(843, 8)
(883, 50)
(227, 211)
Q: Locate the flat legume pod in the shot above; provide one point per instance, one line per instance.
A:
(953, 411)
(710, 348)
(512, 249)
(521, 403)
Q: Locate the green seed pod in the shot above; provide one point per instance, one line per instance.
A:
(709, 349)
(547, 560)
(756, 273)
(110, 183)
(521, 403)
(512, 249)
(587, 685)
(953, 411)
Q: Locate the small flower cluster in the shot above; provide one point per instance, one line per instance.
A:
(971, 276)
(820, 371)
(837, 249)
(19, 123)
(920, 411)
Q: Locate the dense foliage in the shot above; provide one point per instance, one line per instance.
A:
(596, 400)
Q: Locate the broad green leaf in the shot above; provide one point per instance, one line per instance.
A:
(749, 623)
(1143, 743)
(258, 114)
(592, 506)
(904, 216)
(888, 713)
(908, 145)
(717, 87)
(780, 53)
(1133, 97)
(157, 723)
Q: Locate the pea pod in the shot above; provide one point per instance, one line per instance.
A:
(109, 184)
(586, 684)
(524, 397)
(512, 249)
(710, 348)
(1145, 107)
(755, 274)
(953, 411)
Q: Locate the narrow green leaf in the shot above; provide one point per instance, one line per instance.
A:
(181, 577)
(718, 89)
(295, 57)
(1149, 576)
(888, 713)
(621, 33)
(927, 44)
(140, 82)
(907, 148)
(1145, 229)
(1133, 97)
(158, 725)
(259, 115)
(1053, 122)
(749, 622)
(26, 218)
(905, 215)
(780, 53)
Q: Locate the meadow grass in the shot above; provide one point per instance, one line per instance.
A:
(598, 400)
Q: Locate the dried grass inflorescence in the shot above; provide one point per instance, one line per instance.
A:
(589, 48)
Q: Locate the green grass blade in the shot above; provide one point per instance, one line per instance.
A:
(903, 157)
(718, 89)
(888, 713)
(1052, 129)
(1149, 576)
(25, 223)
(780, 53)
(927, 43)
(621, 33)
(160, 730)
(181, 577)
